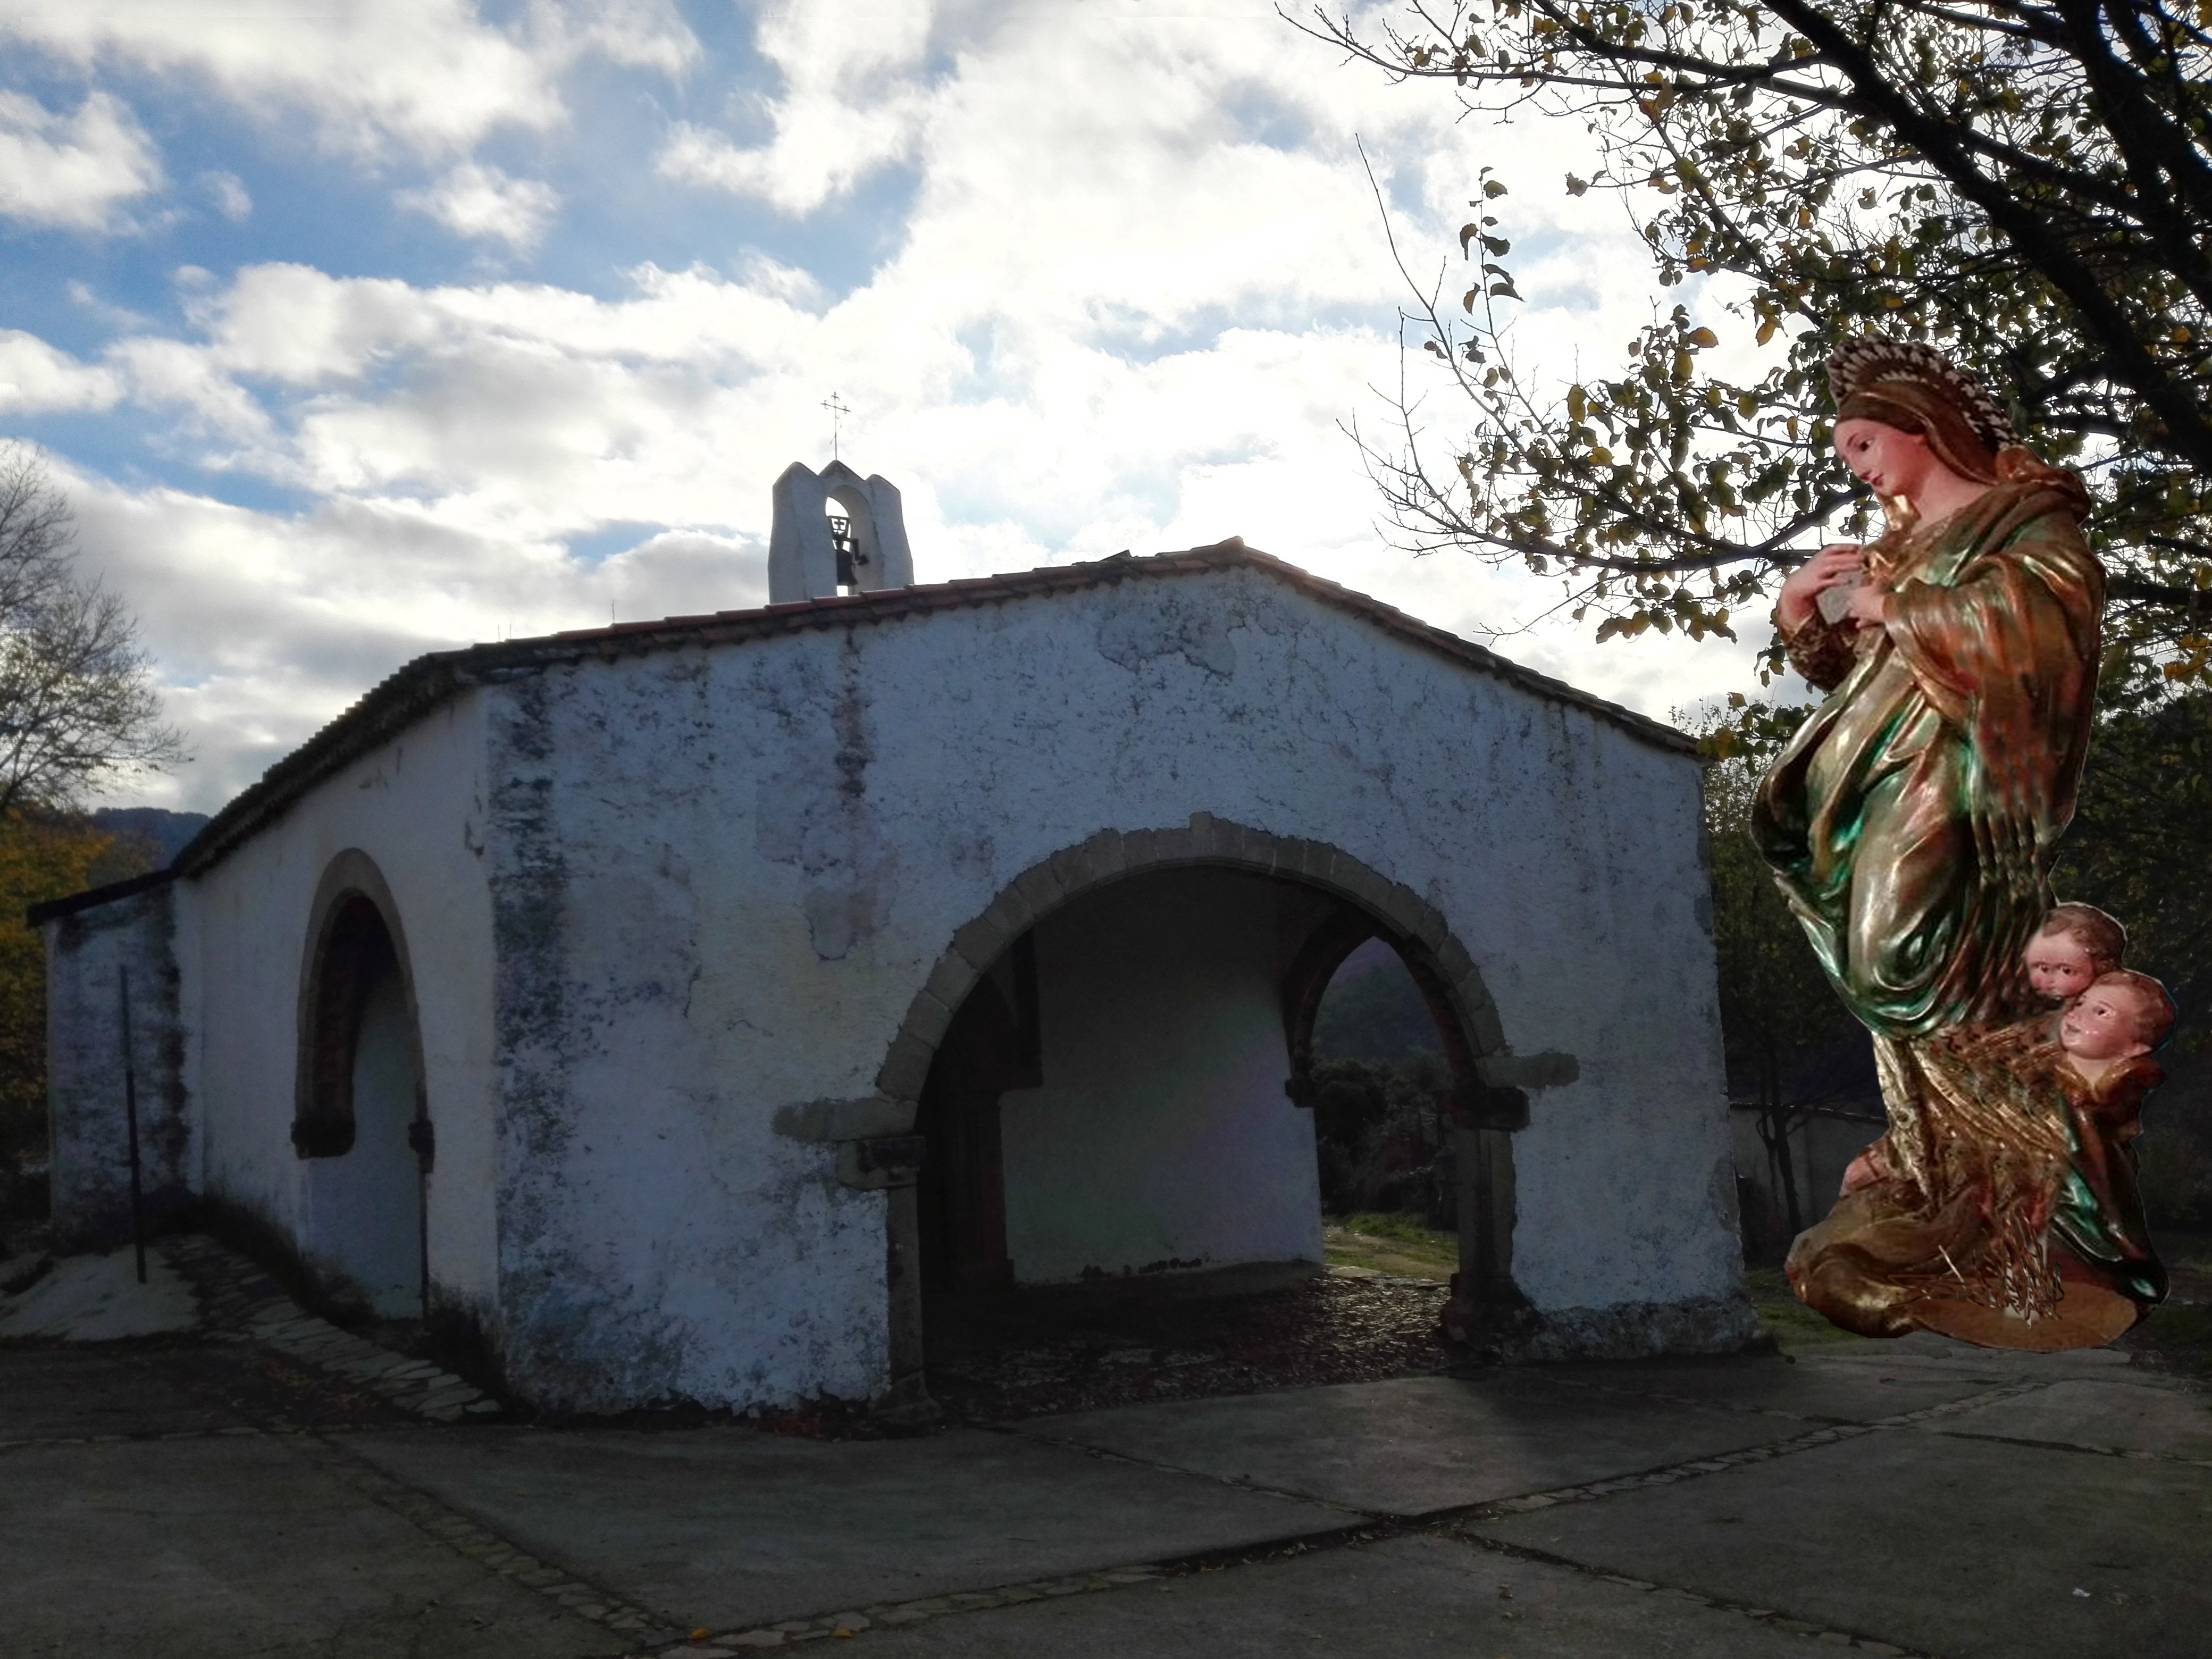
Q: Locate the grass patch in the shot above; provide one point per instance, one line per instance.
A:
(1386, 1243)
(1788, 1321)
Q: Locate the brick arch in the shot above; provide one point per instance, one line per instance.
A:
(1466, 1017)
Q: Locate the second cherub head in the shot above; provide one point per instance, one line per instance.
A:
(2077, 945)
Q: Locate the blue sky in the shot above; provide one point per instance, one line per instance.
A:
(358, 330)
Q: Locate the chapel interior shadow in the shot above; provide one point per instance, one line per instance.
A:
(1120, 1198)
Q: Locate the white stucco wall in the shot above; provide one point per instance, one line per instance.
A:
(1161, 1138)
(362, 1217)
(415, 807)
(89, 955)
(721, 876)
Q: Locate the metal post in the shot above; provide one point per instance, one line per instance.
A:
(131, 1123)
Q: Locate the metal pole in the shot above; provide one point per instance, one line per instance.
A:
(131, 1122)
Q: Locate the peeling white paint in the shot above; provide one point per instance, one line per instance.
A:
(650, 899)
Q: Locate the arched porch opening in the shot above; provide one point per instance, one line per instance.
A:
(362, 1121)
(1113, 1077)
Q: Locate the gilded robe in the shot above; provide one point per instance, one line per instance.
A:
(1912, 825)
(1912, 820)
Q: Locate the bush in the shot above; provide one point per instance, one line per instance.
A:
(2175, 1178)
(1380, 1137)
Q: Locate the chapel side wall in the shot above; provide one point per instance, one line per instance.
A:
(414, 806)
(828, 808)
(87, 952)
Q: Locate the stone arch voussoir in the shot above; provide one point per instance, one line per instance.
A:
(1440, 964)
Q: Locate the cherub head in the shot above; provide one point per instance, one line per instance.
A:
(2121, 1015)
(2075, 943)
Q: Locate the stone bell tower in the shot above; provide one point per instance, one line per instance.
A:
(836, 532)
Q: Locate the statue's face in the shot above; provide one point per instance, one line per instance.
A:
(1891, 462)
(2105, 1023)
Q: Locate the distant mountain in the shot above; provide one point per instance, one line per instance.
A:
(167, 831)
(1373, 1012)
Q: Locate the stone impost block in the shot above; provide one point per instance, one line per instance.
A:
(1489, 1108)
(906, 1068)
(1544, 1070)
(885, 1161)
(844, 1120)
(951, 980)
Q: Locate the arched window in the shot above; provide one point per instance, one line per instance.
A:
(852, 536)
(356, 957)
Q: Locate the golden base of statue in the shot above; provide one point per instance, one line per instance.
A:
(2003, 1209)
(1867, 1269)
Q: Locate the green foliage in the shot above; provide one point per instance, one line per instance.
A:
(1379, 1134)
(2140, 845)
(1379, 1015)
(2141, 848)
(1776, 1006)
(41, 858)
(2020, 182)
(1394, 1225)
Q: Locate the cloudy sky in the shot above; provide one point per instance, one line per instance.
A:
(372, 327)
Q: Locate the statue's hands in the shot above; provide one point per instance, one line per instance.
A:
(1840, 562)
(1868, 606)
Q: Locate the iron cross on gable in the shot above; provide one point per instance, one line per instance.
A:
(838, 409)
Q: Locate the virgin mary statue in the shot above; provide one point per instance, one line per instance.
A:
(1912, 822)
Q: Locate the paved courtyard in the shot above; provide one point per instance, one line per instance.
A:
(213, 1492)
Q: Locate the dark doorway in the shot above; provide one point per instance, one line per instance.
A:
(1120, 1197)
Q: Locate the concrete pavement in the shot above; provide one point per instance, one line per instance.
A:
(200, 1496)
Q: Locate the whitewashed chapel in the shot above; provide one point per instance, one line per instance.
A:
(662, 1006)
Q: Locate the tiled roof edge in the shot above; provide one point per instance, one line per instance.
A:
(422, 685)
(93, 898)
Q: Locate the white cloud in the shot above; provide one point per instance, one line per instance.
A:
(1140, 283)
(851, 102)
(429, 75)
(485, 204)
(72, 170)
(228, 193)
(36, 379)
(266, 627)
